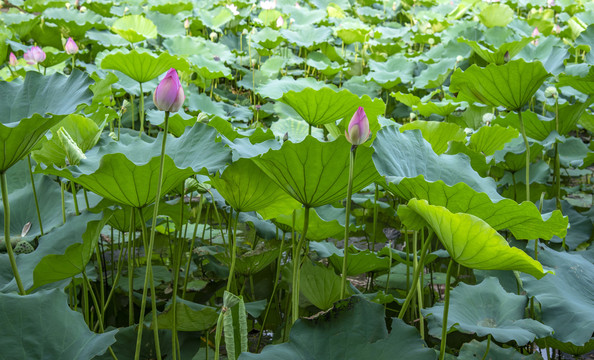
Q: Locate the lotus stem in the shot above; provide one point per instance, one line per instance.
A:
(63, 202)
(149, 256)
(416, 274)
(557, 163)
(141, 110)
(527, 155)
(488, 347)
(11, 257)
(131, 112)
(187, 271)
(74, 199)
(233, 244)
(343, 283)
(131, 237)
(444, 326)
(35, 195)
(297, 267)
(419, 288)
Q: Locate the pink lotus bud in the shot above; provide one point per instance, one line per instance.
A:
(280, 22)
(12, 60)
(535, 32)
(169, 94)
(187, 24)
(70, 47)
(34, 56)
(358, 131)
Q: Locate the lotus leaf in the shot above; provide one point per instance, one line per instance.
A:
(134, 28)
(438, 134)
(142, 65)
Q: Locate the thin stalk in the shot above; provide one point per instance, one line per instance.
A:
(297, 267)
(86, 198)
(74, 199)
(63, 202)
(557, 163)
(11, 257)
(527, 155)
(114, 282)
(187, 272)
(233, 243)
(444, 327)
(176, 266)
(129, 250)
(141, 110)
(416, 273)
(419, 287)
(101, 274)
(35, 195)
(375, 215)
(132, 112)
(149, 255)
(488, 347)
(343, 283)
(73, 61)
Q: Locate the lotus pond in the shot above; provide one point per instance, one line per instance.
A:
(321, 179)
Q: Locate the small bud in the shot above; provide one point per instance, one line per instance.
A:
(488, 118)
(468, 131)
(459, 58)
(67, 6)
(233, 9)
(169, 94)
(431, 41)
(187, 24)
(412, 116)
(551, 92)
(358, 130)
(83, 9)
(213, 36)
(71, 48)
(280, 22)
(34, 55)
(12, 60)
(506, 57)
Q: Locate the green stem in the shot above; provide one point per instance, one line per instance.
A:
(488, 347)
(527, 155)
(297, 267)
(557, 163)
(416, 273)
(343, 283)
(276, 282)
(129, 249)
(187, 271)
(73, 62)
(444, 327)
(35, 195)
(141, 110)
(132, 111)
(74, 199)
(375, 215)
(233, 243)
(63, 202)
(419, 288)
(149, 255)
(11, 257)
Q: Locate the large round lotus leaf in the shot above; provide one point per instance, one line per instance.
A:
(487, 309)
(472, 242)
(408, 155)
(247, 188)
(74, 22)
(47, 329)
(30, 108)
(539, 127)
(524, 220)
(435, 74)
(566, 347)
(475, 350)
(437, 133)
(307, 36)
(566, 299)
(496, 54)
(190, 316)
(426, 107)
(317, 229)
(511, 85)
(142, 65)
(582, 80)
(397, 69)
(127, 171)
(134, 28)
(356, 322)
(251, 262)
(53, 243)
(315, 173)
(323, 106)
(496, 15)
(489, 139)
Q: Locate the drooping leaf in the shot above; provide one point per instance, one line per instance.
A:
(510, 85)
(437, 133)
(475, 350)
(190, 316)
(489, 139)
(317, 229)
(140, 64)
(356, 322)
(319, 284)
(32, 107)
(134, 28)
(496, 54)
(316, 173)
(496, 15)
(472, 242)
(487, 309)
(47, 328)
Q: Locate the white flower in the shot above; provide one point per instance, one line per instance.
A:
(233, 9)
(280, 22)
(268, 4)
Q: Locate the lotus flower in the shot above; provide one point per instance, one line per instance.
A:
(12, 60)
(358, 131)
(280, 22)
(70, 47)
(169, 94)
(34, 56)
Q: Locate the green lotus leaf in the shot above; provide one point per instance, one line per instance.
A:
(142, 65)
(190, 316)
(74, 22)
(106, 38)
(566, 347)
(34, 106)
(268, 38)
(276, 88)
(472, 242)
(297, 130)
(356, 322)
(352, 30)
(209, 68)
(513, 155)
(127, 171)
(566, 299)
(171, 6)
(487, 309)
(539, 127)
(478, 161)
(188, 45)
(168, 24)
(408, 155)
(435, 74)
(307, 36)
(475, 350)
(582, 81)
(489, 139)
(580, 226)
(217, 18)
(360, 261)
(318, 228)
(55, 242)
(496, 15)
(321, 62)
(399, 273)
(54, 331)
(56, 267)
(247, 188)
(426, 107)
(397, 69)
(253, 261)
(134, 28)
(438, 134)
(84, 132)
(496, 54)
(511, 85)
(178, 122)
(316, 173)
(319, 284)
